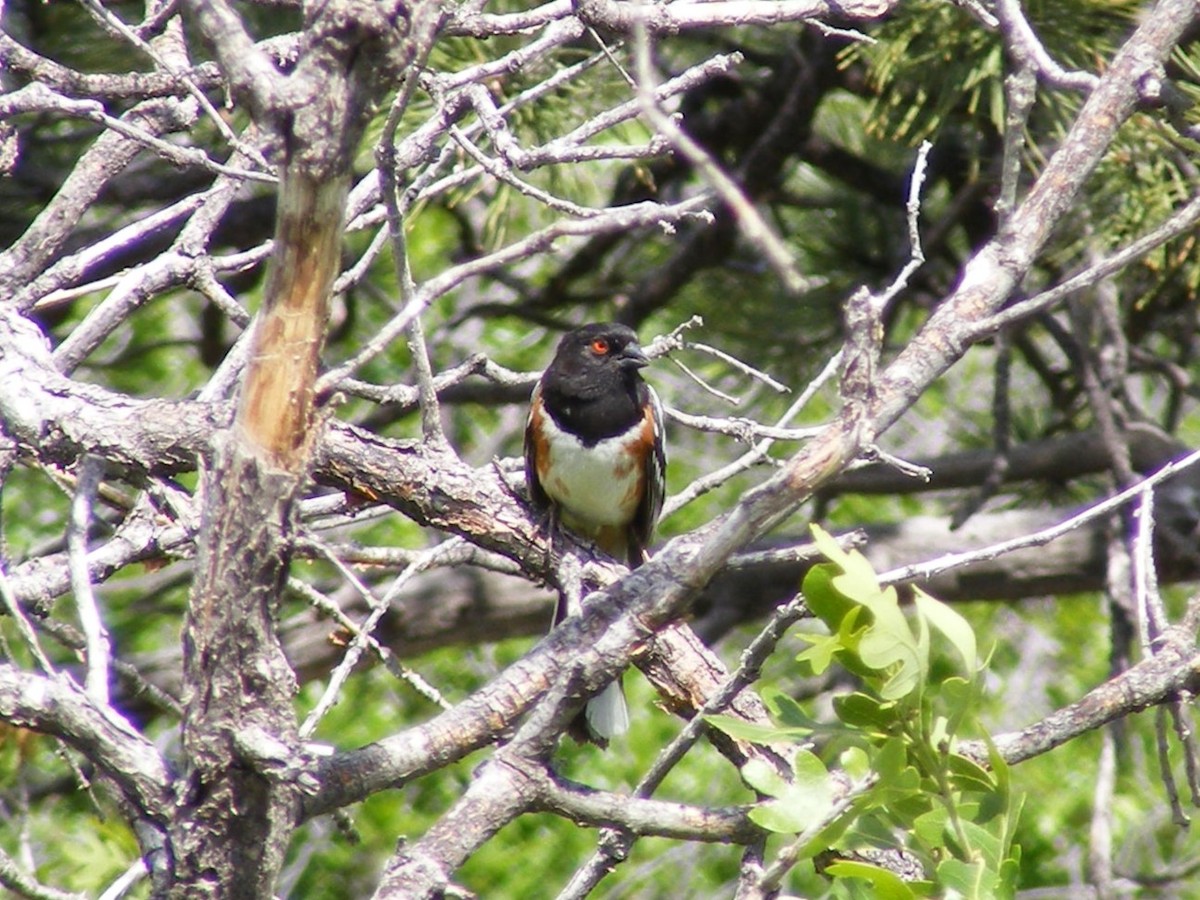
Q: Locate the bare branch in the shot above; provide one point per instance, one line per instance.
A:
(953, 560)
(23, 885)
(637, 815)
(54, 704)
(1145, 684)
(628, 17)
(1028, 50)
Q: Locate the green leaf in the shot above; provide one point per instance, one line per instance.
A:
(898, 780)
(854, 762)
(778, 817)
(885, 885)
(967, 775)
(755, 733)
(864, 712)
(829, 546)
(889, 647)
(983, 839)
(858, 577)
(953, 626)
(930, 828)
(825, 601)
(788, 712)
(764, 779)
(1010, 874)
(797, 806)
(811, 774)
(891, 759)
(973, 880)
(960, 699)
(821, 653)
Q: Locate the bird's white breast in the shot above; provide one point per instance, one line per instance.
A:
(595, 486)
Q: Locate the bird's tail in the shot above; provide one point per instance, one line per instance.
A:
(607, 715)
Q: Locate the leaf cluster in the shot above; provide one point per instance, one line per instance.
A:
(898, 785)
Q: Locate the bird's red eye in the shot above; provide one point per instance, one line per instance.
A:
(599, 346)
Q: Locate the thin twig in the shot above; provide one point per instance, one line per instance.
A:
(1100, 846)
(744, 367)
(37, 97)
(379, 606)
(753, 226)
(125, 882)
(623, 218)
(112, 21)
(99, 649)
(1023, 42)
(1182, 221)
(28, 635)
(741, 429)
(705, 386)
(785, 859)
(948, 561)
(431, 425)
(712, 480)
(23, 885)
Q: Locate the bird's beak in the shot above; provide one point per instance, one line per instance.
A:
(633, 357)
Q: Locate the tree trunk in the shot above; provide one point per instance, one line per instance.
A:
(239, 730)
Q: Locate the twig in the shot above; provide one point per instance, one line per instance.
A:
(1181, 222)
(636, 814)
(673, 18)
(1020, 92)
(681, 83)
(772, 877)
(431, 425)
(379, 606)
(744, 430)
(125, 882)
(753, 226)
(743, 367)
(1025, 46)
(468, 19)
(712, 480)
(362, 265)
(36, 97)
(982, 13)
(49, 287)
(1180, 708)
(113, 22)
(463, 554)
(1151, 616)
(1038, 538)
(23, 885)
(622, 218)
(431, 421)
(99, 650)
(498, 171)
(1166, 773)
(28, 635)
(134, 289)
(705, 386)
(912, 208)
(1100, 848)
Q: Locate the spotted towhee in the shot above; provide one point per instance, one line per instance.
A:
(596, 462)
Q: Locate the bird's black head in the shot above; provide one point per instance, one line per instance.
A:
(602, 348)
(593, 386)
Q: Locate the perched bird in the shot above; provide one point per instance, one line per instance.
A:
(596, 463)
